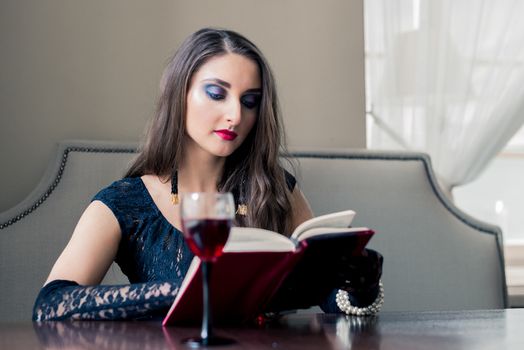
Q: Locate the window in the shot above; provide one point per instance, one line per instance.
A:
(497, 197)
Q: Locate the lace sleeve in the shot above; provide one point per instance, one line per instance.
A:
(61, 299)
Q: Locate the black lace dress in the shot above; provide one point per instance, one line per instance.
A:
(152, 254)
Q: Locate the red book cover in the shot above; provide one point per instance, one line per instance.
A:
(264, 271)
(241, 284)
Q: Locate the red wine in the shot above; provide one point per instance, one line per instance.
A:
(206, 237)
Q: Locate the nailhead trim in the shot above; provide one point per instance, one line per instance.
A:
(58, 177)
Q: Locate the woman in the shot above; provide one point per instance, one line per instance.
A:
(217, 128)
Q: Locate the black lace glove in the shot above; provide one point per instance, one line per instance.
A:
(61, 299)
(360, 276)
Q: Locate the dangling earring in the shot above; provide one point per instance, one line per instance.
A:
(174, 188)
(242, 206)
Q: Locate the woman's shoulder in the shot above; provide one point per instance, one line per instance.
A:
(121, 188)
(123, 193)
(128, 200)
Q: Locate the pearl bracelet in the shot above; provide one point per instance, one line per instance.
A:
(345, 306)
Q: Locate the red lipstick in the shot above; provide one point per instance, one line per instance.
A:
(227, 135)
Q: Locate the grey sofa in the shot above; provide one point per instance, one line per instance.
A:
(436, 257)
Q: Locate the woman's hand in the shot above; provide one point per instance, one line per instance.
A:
(359, 274)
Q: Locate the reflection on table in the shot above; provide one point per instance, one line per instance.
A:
(488, 329)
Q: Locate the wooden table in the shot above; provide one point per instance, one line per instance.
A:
(494, 329)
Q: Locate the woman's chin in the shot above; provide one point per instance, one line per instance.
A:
(224, 150)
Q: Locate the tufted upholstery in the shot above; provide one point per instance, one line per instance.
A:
(436, 257)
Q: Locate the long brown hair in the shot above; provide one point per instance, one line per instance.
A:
(254, 169)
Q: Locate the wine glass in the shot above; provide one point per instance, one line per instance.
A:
(206, 221)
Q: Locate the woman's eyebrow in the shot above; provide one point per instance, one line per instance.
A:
(228, 85)
(255, 91)
(220, 82)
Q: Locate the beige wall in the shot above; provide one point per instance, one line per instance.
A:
(90, 69)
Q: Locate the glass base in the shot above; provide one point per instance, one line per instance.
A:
(199, 342)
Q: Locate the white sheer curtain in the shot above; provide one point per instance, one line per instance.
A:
(445, 77)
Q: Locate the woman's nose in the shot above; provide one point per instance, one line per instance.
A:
(234, 113)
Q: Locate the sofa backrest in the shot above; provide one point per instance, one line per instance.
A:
(436, 257)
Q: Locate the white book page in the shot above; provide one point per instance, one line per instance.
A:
(242, 239)
(318, 231)
(341, 219)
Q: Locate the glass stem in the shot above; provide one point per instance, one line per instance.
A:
(206, 316)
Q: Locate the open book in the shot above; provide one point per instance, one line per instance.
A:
(264, 271)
